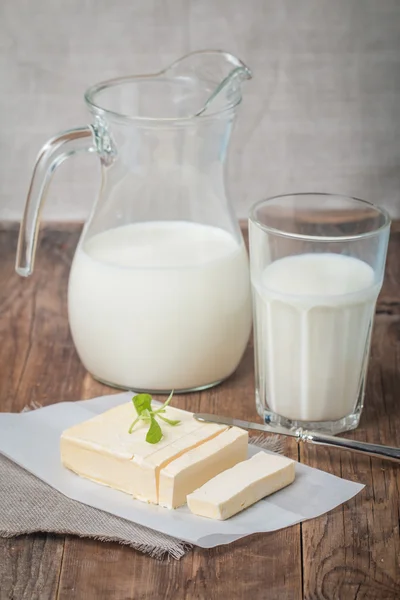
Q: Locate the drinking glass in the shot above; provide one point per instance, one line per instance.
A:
(317, 266)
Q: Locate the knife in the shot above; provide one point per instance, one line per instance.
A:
(313, 437)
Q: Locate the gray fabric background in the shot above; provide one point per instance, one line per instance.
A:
(322, 113)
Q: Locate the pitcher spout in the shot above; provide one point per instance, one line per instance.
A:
(219, 76)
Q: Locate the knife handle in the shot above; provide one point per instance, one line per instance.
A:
(375, 450)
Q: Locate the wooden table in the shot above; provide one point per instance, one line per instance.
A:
(351, 553)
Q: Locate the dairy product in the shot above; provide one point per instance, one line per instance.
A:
(160, 305)
(241, 486)
(191, 470)
(313, 315)
(102, 450)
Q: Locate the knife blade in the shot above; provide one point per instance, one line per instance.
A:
(208, 418)
(313, 437)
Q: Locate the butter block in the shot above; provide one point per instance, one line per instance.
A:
(241, 486)
(191, 470)
(102, 450)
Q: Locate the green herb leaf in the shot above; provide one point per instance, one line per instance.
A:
(133, 425)
(154, 433)
(163, 407)
(146, 414)
(169, 421)
(142, 402)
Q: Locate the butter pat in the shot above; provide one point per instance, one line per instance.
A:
(192, 469)
(241, 486)
(101, 449)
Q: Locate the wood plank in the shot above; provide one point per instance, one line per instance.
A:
(351, 552)
(389, 299)
(251, 568)
(35, 343)
(38, 363)
(30, 567)
(354, 551)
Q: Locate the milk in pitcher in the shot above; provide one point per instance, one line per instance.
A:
(160, 305)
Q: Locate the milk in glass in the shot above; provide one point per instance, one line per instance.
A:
(314, 315)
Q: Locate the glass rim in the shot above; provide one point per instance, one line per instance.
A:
(320, 238)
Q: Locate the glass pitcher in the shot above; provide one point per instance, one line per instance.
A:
(158, 295)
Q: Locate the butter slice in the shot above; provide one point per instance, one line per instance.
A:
(102, 450)
(241, 486)
(192, 469)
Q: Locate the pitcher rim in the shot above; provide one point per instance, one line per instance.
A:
(91, 92)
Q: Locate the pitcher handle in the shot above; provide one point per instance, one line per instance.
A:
(53, 153)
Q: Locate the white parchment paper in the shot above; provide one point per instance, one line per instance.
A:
(32, 440)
